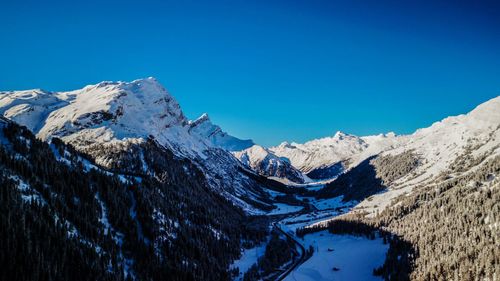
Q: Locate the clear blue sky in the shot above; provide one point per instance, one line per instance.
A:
(268, 70)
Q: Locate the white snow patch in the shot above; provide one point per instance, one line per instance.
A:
(355, 257)
(248, 258)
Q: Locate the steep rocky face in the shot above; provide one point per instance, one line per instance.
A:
(204, 128)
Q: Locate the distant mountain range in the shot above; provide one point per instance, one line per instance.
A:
(438, 145)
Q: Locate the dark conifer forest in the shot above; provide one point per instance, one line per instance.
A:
(61, 220)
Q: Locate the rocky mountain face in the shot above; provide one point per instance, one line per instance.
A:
(204, 128)
(266, 163)
(321, 159)
(118, 123)
(320, 152)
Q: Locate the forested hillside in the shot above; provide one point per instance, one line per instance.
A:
(65, 219)
(447, 229)
(370, 176)
(454, 226)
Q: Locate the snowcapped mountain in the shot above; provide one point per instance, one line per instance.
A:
(123, 116)
(324, 158)
(112, 119)
(438, 189)
(204, 128)
(102, 112)
(439, 144)
(320, 152)
(266, 163)
(447, 150)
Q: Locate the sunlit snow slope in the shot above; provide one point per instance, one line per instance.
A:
(123, 116)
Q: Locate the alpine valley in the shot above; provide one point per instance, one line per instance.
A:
(114, 182)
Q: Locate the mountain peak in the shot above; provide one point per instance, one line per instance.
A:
(204, 128)
(340, 135)
(202, 119)
(285, 144)
(391, 135)
(147, 87)
(149, 80)
(138, 108)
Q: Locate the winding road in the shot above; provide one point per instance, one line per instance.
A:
(302, 250)
(299, 261)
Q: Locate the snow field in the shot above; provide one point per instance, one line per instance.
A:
(354, 257)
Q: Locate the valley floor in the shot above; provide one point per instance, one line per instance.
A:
(354, 257)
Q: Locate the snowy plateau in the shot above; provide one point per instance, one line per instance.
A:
(342, 207)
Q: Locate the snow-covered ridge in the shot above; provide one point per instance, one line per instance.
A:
(115, 111)
(320, 152)
(123, 115)
(30, 108)
(266, 163)
(140, 107)
(326, 151)
(132, 105)
(137, 110)
(438, 144)
(204, 128)
(441, 143)
(445, 151)
(104, 112)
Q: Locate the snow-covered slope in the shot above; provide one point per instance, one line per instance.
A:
(439, 145)
(204, 128)
(123, 116)
(330, 150)
(323, 158)
(30, 108)
(266, 163)
(128, 109)
(446, 150)
(320, 152)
